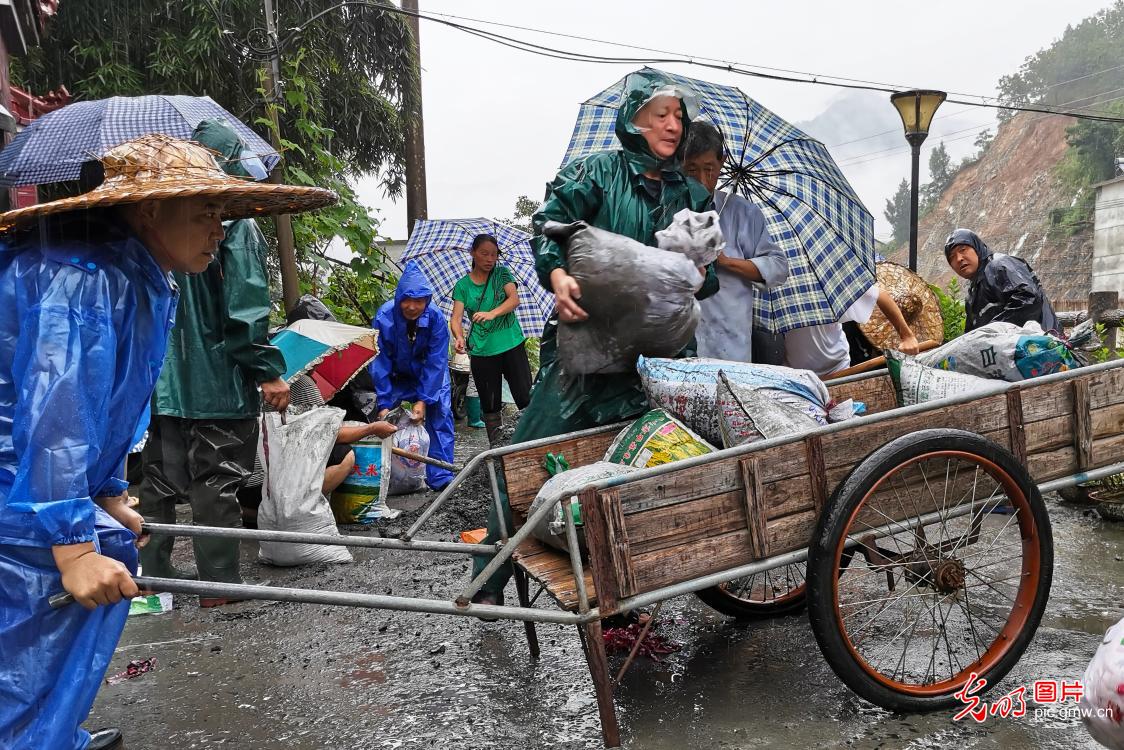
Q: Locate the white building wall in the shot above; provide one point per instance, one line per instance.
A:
(1108, 238)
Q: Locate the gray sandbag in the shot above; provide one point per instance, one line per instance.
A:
(696, 235)
(915, 383)
(747, 414)
(552, 529)
(640, 300)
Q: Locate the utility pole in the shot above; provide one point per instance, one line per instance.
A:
(290, 281)
(415, 135)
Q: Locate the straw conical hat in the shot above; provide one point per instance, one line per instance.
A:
(159, 167)
(917, 302)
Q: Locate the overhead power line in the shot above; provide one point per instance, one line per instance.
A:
(775, 74)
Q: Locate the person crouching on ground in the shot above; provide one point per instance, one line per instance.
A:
(413, 365)
(1000, 287)
(495, 340)
(85, 283)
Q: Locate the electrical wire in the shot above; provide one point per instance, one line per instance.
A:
(737, 69)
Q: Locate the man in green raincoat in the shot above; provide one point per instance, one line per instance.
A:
(634, 191)
(204, 430)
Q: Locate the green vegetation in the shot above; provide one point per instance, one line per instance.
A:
(952, 309)
(348, 77)
(1080, 70)
(897, 213)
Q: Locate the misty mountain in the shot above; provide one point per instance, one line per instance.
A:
(863, 132)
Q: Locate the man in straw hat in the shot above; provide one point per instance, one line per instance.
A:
(918, 306)
(204, 432)
(824, 349)
(88, 300)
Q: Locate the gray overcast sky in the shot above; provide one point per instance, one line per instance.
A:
(497, 120)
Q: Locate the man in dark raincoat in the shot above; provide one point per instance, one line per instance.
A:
(88, 300)
(413, 365)
(1001, 287)
(204, 431)
(634, 191)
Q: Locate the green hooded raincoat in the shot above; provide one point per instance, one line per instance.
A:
(219, 350)
(607, 190)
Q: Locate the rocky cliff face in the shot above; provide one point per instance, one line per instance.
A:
(1006, 197)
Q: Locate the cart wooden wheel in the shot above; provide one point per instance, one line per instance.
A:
(951, 558)
(770, 593)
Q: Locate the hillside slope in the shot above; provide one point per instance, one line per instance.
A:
(1006, 197)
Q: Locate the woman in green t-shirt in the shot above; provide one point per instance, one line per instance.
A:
(495, 341)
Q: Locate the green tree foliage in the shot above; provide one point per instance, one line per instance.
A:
(525, 208)
(1091, 158)
(1077, 70)
(897, 213)
(357, 62)
(952, 309)
(347, 80)
(941, 173)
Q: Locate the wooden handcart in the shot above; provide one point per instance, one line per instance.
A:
(917, 537)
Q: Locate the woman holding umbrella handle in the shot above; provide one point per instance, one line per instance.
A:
(495, 341)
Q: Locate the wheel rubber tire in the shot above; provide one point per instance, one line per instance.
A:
(717, 599)
(822, 569)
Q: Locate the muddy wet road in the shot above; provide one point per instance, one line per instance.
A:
(262, 675)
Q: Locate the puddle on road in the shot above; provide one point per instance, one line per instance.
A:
(320, 677)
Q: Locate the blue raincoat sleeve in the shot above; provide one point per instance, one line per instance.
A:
(64, 362)
(381, 366)
(435, 369)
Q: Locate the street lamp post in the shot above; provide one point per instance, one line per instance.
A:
(916, 109)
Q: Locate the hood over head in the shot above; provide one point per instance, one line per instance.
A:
(413, 284)
(237, 160)
(309, 307)
(967, 237)
(639, 89)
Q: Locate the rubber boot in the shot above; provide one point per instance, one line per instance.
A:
(472, 411)
(156, 559)
(494, 423)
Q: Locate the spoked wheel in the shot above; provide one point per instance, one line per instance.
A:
(931, 564)
(770, 593)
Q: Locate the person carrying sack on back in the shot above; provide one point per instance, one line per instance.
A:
(89, 300)
(495, 342)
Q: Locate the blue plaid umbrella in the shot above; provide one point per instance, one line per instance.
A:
(54, 147)
(441, 247)
(811, 209)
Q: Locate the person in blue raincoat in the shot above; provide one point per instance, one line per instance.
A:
(413, 365)
(88, 302)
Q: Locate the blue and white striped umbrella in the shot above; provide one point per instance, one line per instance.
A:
(54, 147)
(811, 210)
(441, 247)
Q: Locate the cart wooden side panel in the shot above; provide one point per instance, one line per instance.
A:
(647, 533)
(711, 517)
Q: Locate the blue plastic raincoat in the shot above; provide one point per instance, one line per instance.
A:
(415, 370)
(82, 340)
